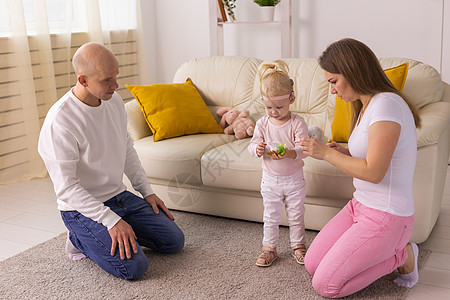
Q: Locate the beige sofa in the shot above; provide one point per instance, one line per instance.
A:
(214, 174)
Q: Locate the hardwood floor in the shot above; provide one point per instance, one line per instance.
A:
(28, 216)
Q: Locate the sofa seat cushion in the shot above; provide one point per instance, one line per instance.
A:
(177, 157)
(323, 180)
(231, 166)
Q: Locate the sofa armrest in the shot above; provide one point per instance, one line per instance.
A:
(137, 125)
(435, 118)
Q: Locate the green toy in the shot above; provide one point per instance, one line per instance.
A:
(281, 149)
(277, 148)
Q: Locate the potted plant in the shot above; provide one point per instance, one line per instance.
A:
(267, 8)
(229, 6)
(267, 2)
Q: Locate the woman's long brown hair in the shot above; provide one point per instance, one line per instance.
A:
(362, 70)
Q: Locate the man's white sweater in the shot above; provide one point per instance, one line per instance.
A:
(86, 151)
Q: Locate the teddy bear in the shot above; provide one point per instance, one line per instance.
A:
(233, 121)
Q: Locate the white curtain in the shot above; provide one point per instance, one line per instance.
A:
(37, 41)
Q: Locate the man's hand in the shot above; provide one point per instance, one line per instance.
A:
(123, 235)
(155, 202)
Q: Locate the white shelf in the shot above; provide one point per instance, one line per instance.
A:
(249, 22)
(216, 28)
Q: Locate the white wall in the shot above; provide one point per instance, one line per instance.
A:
(178, 30)
(175, 31)
(445, 71)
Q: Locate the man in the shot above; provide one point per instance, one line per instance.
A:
(86, 148)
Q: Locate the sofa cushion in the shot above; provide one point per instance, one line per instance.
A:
(176, 157)
(423, 85)
(323, 180)
(311, 93)
(221, 80)
(310, 88)
(173, 110)
(231, 166)
(137, 125)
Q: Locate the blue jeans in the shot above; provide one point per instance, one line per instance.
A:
(154, 231)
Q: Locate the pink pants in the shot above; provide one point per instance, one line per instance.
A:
(358, 246)
(278, 192)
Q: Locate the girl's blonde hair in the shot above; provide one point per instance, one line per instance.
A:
(362, 70)
(275, 80)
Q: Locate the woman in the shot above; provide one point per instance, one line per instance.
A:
(369, 237)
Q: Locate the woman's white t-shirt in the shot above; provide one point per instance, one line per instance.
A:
(394, 194)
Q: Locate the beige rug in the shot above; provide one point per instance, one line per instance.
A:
(216, 263)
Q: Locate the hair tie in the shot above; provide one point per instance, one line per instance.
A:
(274, 69)
(265, 98)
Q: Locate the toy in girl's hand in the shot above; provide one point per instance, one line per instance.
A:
(276, 148)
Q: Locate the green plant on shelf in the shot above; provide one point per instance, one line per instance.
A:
(229, 6)
(267, 2)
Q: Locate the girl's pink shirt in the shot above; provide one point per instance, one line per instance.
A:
(288, 133)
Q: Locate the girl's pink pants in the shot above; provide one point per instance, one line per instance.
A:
(358, 246)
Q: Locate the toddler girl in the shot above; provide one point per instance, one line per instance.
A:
(277, 139)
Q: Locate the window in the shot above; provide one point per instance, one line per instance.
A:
(66, 15)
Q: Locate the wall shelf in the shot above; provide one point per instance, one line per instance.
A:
(216, 28)
(247, 22)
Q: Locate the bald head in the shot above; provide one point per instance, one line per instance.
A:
(96, 68)
(92, 58)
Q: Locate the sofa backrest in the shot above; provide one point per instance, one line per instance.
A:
(221, 80)
(423, 84)
(310, 88)
(233, 81)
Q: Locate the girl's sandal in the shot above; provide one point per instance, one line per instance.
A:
(266, 258)
(299, 252)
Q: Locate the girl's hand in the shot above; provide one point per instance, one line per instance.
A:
(288, 154)
(260, 149)
(276, 156)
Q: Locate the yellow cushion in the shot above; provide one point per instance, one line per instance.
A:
(173, 110)
(340, 127)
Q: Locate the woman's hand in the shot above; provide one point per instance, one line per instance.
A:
(338, 147)
(314, 148)
(383, 138)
